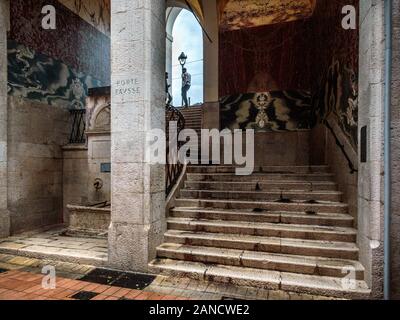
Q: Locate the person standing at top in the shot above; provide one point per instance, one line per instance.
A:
(186, 83)
(167, 86)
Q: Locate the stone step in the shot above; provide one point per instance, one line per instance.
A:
(261, 260)
(264, 169)
(260, 177)
(282, 230)
(328, 249)
(263, 186)
(266, 279)
(319, 207)
(334, 196)
(330, 219)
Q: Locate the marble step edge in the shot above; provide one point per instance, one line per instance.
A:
(265, 279)
(327, 249)
(265, 229)
(263, 260)
(320, 206)
(340, 220)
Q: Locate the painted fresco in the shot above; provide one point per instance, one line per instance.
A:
(75, 42)
(95, 12)
(269, 58)
(37, 77)
(335, 72)
(338, 97)
(240, 14)
(267, 111)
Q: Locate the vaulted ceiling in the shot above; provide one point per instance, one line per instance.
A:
(239, 14)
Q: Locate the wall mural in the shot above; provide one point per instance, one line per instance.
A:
(267, 111)
(269, 58)
(338, 96)
(75, 42)
(335, 72)
(95, 12)
(35, 76)
(239, 14)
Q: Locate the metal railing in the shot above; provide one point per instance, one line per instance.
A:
(78, 119)
(341, 147)
(173, 168)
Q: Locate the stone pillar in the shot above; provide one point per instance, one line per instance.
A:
(211, 50)
(370, 178)
(137, 98)
(211, 119)
(395, 231)
(4, 26)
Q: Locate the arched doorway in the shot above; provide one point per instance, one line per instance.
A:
(184, 34)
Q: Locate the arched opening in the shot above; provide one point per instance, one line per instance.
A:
(184, 34)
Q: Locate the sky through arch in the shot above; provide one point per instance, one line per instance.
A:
(188, 38)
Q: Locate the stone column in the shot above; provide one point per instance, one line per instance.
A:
(138, 105)
(370, 184)
(211, 50)
(211, 63)
(4, 26)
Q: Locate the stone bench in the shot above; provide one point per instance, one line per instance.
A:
(89, 221)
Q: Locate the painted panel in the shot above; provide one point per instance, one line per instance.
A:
(240, 14)
(37, 77)
(95, 12)
(267, 111)
(75, 42)
(269, 58)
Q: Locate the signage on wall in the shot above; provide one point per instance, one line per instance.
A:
(127, 89)
(364, 142)
(105, 168)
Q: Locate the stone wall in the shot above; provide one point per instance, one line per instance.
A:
(75, 177)
(49, 71)
(396, 154)
(4, 214)
(35, 170)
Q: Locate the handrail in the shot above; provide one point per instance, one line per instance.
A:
(78, 129)
(173, 170)
(341, 147)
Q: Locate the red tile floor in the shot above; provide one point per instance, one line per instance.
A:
(20, 285)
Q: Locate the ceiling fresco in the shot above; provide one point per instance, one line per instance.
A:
(95, 12)
(241, 14)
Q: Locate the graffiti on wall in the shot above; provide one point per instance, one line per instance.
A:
(35, 76)
(338, 97)
(267, 111)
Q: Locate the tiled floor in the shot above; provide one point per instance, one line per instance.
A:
(76, 258)
(24, 277)
(20, 285)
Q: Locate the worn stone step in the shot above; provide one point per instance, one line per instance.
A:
(334, 196)
(319, 207)
(261, 260)
(264, 169)
(264, 279)
(323, 219)
(264, 229)
(329, 249)
(262, 186)
(260, 177)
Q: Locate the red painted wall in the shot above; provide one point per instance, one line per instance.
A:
(268, 58)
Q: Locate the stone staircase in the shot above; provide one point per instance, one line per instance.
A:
(282, 228)
(193, 120)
